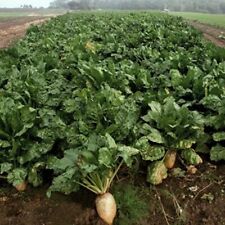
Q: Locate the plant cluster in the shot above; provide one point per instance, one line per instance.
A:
(87, 91)
(132, 207)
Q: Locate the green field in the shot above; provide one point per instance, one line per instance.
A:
(111, 85)
(12, 14)
(87, 94)
(9, 14)
(213, 19)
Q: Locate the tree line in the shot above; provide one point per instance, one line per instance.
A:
(211, 6)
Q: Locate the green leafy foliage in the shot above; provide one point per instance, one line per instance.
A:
(149, 152)
(170, 124)
(217, 153)
(17, 176)
(219, 136)
(191, 157)
(95, 155)
(86, 91)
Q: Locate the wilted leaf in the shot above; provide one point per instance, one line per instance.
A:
(152, 152)
(157, 172)
(191, 157)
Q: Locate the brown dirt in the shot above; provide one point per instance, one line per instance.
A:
(12, 30)
(191, 200)
(33, 207)
(210, 33)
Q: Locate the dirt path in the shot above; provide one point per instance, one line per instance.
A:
(210, 33)
(15, 29)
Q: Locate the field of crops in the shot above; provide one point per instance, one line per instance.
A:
(212, 19)
(85, 95)
(10, 14)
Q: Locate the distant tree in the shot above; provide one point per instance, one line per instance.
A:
(58, 4)
(26, 6)
(213, 6)
(85, 4)
(73, 5)
(222, 7)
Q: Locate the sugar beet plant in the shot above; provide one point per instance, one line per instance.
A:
(85, 93)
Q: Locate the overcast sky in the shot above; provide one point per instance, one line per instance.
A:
(17, 3)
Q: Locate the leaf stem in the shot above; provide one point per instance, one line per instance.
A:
(97, 184)
(114, 174)
(92, 189)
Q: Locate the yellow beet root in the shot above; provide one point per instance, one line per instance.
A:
(21, 187)
(89, 45)
(192, 169)
(170, 159)
(106, 207)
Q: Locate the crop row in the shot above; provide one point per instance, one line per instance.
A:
(86, 93)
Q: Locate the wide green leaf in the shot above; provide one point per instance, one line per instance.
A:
(217, 153)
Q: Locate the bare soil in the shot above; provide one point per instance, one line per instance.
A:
(190, 200)
(12, 30)
(210, 33)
